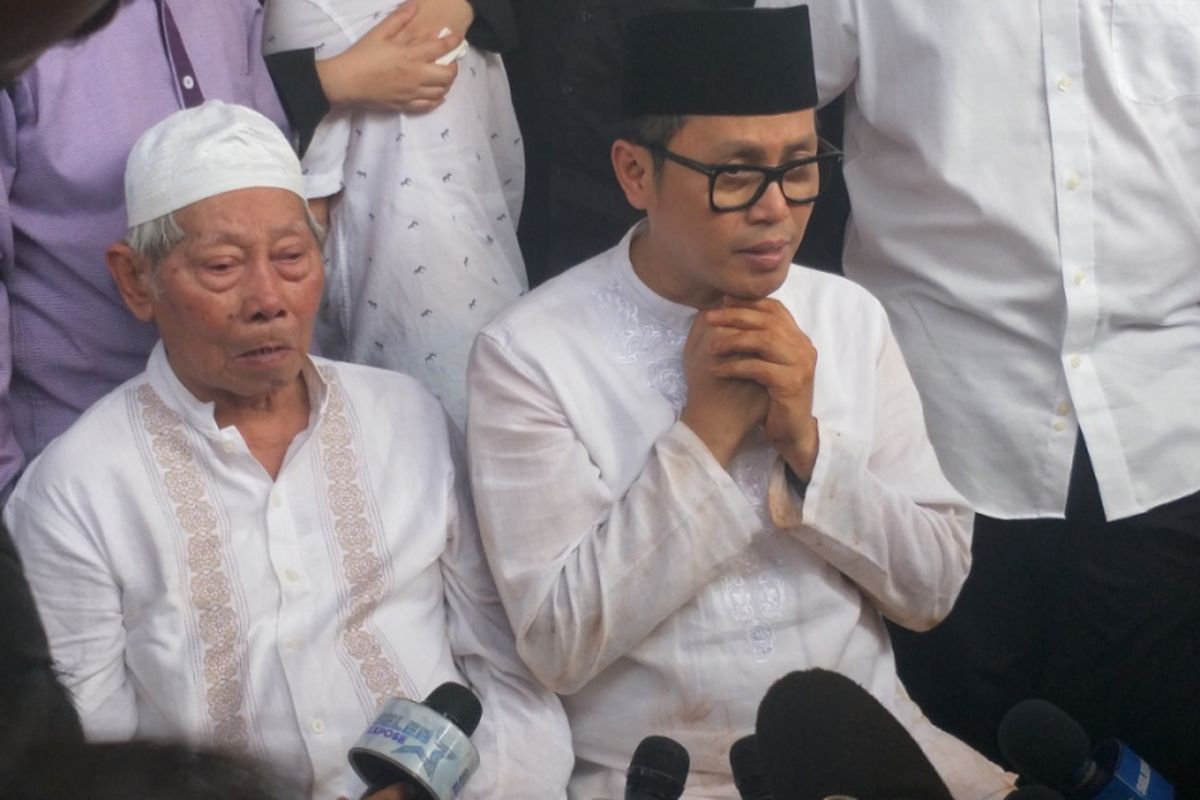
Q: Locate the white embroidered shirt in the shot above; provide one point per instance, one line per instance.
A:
(660, 593)
(186, 594)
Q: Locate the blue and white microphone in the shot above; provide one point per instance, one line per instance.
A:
(424, 746)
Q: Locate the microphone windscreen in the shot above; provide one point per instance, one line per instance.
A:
(659, 769)
(458, 704)
(749, 771)
(821, 734)
(1034, 791)
(1044, 744)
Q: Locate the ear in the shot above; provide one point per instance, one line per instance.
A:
(132, 274)
(635, 172)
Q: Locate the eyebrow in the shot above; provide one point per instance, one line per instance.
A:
(751, 151)
(227, 237)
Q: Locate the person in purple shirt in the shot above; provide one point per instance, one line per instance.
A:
(66, 127)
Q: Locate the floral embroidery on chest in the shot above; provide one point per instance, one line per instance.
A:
(658, 347)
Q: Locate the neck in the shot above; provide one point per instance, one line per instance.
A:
(654, 265)
(268, 423)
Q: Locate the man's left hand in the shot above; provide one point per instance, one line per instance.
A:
(757, 340)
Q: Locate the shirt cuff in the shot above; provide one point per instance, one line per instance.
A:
(840, 460)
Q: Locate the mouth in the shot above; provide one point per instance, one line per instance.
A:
(769, 255)
(265, 354)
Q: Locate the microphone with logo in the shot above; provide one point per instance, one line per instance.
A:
(658, 770)
(749, 771)
(1046, 745)
(424, 746)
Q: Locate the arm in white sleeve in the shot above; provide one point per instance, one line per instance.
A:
(524, 730)
(587, 573)
(80, 604)
(883, 513)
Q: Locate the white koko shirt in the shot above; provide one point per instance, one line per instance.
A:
(1025, 178)
(656, 591)
(187, 595)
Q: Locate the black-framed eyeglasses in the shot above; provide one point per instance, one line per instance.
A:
(734, 187)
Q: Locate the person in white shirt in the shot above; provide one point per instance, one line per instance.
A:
(1023, 181)
(248, 546)
(679, 501)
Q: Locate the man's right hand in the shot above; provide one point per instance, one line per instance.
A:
(721, 411)
(387, 71)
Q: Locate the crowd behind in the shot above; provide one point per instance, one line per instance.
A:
(348, 348)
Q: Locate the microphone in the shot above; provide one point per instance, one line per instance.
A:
(1046, 745)
(823, 735)
(749, 771)
(658, 770)
(424, 746)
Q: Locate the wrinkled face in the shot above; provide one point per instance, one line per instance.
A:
(30, 26)
(236, 300)
(698, 254)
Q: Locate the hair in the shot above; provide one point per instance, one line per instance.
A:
(652, 129)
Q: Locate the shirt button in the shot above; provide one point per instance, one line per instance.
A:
(276, 499)
(1076, 361)
(318, 726)
(1059, 426)
(1063, 409)
(229, 446)
(1073, 181)
(1064, 84)
(568, 90)
(292, 645)
(1079, 278)
(292, 575)
(189, 82)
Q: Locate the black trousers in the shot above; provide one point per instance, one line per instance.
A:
(1100, 618)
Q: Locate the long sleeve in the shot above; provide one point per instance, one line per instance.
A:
(884, 514)
(530, 742)
(12, 459)
(80, 604)
(586, 573)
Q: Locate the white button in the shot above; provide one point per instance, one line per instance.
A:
(1064, 84)
(292, 645)
(276, 499)
(1073, 181)
(292, 575)
(1076, 361)
(188, 82)
(318, 726)
(1063, 409)
(229, 446)
(1079, 278)
(1059, 426)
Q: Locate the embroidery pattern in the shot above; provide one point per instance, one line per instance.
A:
(222, 633)
(659, 346)
(362, 565)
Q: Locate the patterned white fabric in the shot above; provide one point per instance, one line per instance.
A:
(422, 245)
(662, 594)
(186, 594)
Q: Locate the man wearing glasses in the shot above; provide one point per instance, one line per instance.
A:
(680, 502)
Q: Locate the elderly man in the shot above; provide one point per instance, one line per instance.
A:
(249, 546)
(679, 502)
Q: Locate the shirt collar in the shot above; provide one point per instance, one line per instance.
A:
(675, 315)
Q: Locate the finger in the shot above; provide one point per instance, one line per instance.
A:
(420, 106)
(730, 342)
(430, 50)
(395, 22)
(744, 318)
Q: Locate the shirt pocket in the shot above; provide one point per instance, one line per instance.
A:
(1156, 49)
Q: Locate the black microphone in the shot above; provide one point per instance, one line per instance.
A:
(1046, 745)
(1034, 791)
(424, 746)
(821, 734)
(658, 770)
(749, 771)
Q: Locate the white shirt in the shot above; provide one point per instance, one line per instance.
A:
(647, 584)
(1024, 178)
(422, 246)
(187, 595)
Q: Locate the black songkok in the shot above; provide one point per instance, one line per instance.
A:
(743, 62)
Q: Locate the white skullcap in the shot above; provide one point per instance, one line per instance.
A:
(199, 152)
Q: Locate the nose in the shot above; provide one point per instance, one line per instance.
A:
(263, 299)
(771, 207)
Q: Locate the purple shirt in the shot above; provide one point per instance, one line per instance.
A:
(66, 128)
